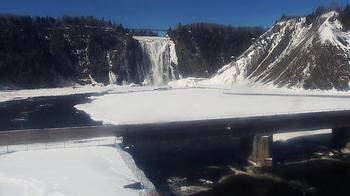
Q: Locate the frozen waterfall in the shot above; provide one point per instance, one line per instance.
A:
(159, 60)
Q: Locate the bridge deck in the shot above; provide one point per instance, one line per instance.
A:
(229, 126)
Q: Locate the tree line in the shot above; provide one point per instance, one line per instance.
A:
(51, 52)
(203, 48)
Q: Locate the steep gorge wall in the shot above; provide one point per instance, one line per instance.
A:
(48, 52)
(203, 48)
(41, 52)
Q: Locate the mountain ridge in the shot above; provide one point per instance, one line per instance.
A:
(294, 53)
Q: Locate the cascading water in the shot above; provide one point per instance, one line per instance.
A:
(159, 60)
(111, 76)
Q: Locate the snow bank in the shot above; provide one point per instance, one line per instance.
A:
(65, 172)
(200, 103)
(185, 83)
(97, 141)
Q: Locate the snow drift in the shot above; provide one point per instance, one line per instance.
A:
(65, 172)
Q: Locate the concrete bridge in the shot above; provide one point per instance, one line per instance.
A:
(256, 132)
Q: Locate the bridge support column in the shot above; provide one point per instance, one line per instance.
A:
(261, 150)
(341, 138)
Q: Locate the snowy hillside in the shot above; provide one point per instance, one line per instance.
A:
(295, 53)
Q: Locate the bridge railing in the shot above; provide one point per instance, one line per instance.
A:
(16, 147)
(29, 140)
(52, 138)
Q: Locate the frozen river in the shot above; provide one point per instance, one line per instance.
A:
(177, 105)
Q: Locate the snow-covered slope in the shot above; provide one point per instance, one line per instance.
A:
(295, 53)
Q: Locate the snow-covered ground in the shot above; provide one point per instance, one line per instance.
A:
(98, 141)
(65, 172)
(9, 95)
(29, 93)
(203, 103)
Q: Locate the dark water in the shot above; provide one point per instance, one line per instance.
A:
(303, 166)
(44, 112)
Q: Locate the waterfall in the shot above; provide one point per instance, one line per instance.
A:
(111, 76)
(159, 60)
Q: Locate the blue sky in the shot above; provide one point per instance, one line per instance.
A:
(164, 13)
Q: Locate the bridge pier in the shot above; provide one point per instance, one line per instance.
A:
(341, 138)
(260, 150)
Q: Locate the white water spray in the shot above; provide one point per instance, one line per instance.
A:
(159, 58)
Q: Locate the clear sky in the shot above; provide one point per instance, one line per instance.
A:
(167, 13)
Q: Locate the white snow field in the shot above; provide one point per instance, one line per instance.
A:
(201, 103)
(88, 171)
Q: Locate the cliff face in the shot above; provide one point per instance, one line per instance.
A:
(295, 53)
(48, 52)
(203, 48)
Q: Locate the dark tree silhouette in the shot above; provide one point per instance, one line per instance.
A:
(203, 48)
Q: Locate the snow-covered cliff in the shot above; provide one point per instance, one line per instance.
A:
(295, 53)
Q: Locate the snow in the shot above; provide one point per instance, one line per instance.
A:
(98, 141)
(29, 93)
(331, 32)
(271, 50)
(203, 103)
(65, 172)
(264, 47)
(185, 83)
(9, 95)
(292, 135)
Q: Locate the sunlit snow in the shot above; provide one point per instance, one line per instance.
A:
(203, 103)
(88, 171)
